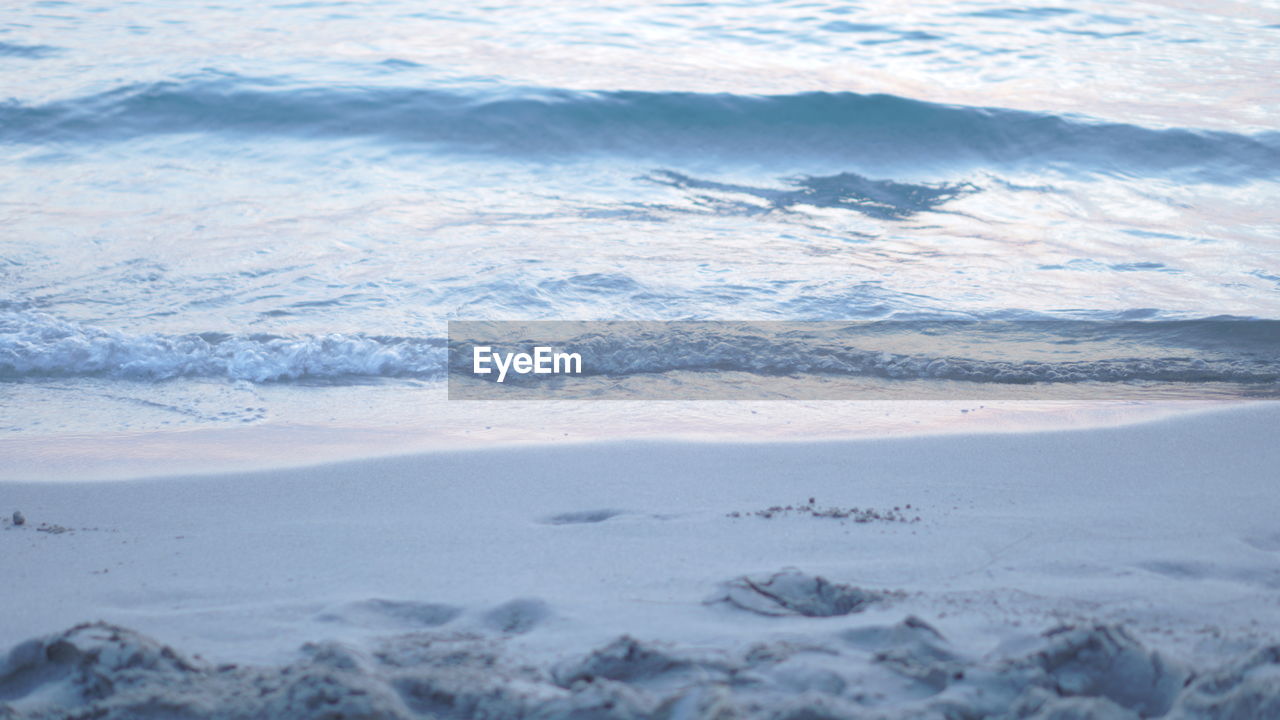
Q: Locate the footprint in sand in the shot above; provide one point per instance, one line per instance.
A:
(1266, 543)
(381, 613)
(518, 616)
(1257, 576)
(580, 517)
(791, 592)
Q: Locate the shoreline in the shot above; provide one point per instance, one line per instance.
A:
(293, 444)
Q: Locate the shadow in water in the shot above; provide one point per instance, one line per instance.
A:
(880, 199)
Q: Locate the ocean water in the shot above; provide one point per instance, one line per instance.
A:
(220, 214)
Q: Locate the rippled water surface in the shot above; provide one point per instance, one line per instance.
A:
(201, 201)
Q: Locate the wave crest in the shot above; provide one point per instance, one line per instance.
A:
(850, 128)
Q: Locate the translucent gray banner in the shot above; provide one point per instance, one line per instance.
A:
(885, 360)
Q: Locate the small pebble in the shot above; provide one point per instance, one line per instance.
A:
(19, 518)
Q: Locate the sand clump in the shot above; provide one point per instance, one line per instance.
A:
(792, 592)
(898, 514)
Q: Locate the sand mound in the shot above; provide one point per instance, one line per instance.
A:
(632, 661)
(905, 670)
(103, 671)
(1249, 688)
(1105, 661)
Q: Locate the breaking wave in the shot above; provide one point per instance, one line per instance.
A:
(35, 345)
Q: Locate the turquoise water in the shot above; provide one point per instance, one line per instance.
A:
(202, 202)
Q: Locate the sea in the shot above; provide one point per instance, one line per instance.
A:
(220, 215)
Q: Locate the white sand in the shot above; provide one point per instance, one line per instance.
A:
(514, 565)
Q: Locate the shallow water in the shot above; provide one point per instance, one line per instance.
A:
(237, 213)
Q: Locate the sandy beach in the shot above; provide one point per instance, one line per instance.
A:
(1115, 572)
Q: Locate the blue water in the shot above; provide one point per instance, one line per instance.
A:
(215, 213)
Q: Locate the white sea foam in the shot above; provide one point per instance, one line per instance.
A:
(34, 344)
